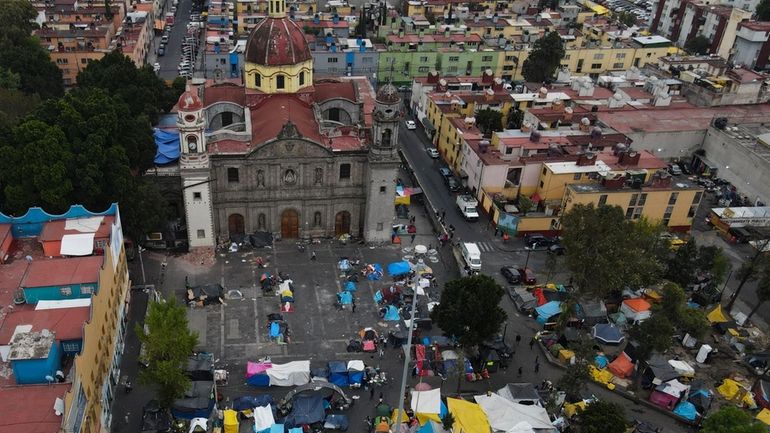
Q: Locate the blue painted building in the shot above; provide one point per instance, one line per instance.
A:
(33, 356)
(57, 279)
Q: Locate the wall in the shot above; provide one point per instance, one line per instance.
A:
(327, 63)
(53, 293)
(746, 51)
(268, 77)
(668, 145)
(31, 371)
(748, 172)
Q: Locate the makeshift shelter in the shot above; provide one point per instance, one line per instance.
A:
(659, 371)
(197, 401)
(601, 361)
(701, 399)
(350, 286)
(607, 334)
(593, 312)
(200, 367)
(764, 416)
(206, 294)
(426, 405)
(431, 427)
(263, 418)
(306, 409)
(717, 315)
(336, 422)
(345, 297)
(547, 311)
(391, 314)
(199, 425)
(504, 415)
(600, 375)
(373, 272)
(267, 374)
(397, 269)
(761, 390)
(449, 361)
(735, 391)
(355, 371)
(249, 402)
(686, 410)
(668, 393)
(622, 366)
(338, 373)
(469, 417)
(635, 309)
(684, 369)
(520, 393)
(523, 299)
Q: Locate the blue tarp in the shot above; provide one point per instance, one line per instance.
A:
(346, 298)
(338, 373)
(350, 286)
(277, 428)
(547, 310)
(398, 268)
(601, 361)
(377, 274)
(344, 265)
(391, 313)
(355, 377)
(295, 430)
(378, 297)
(306, 409)
(261, 379)
(249, 402)
(686, 410)
(275, 330)
(167, 143)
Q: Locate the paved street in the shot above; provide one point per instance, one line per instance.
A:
(170, 61)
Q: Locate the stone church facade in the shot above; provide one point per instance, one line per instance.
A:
(283, 153)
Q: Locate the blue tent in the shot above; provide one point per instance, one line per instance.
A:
(344, 265)
(248, 402)
(167, 143)
(398, 268)
(686, 410)
(377, 274)
(350, 286)
(606, 333)
(275, 330)
(391, 313)
(306, 409)
(547, 310)
(338, 373)
(261, 379)
(277, 428)
(601, 361)
(346, 298)
(378, 297)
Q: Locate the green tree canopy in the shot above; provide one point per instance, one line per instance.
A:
(544, 59)
(653, 335)
(732, 419)
(698, 45)
(683, 265)
(712, 259)
(626, 18)
(168, 343)
(605, 252)
(603, 417)
(674, 307)
(763, 285)
(763, 10)
(489, 120)
(470, 310)
(515, 119)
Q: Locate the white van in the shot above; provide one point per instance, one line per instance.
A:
(472, 256)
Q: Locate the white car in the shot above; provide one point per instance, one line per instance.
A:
(410, 124)
(433, 152)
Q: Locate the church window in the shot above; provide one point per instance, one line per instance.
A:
(334, 114)
(232, 175)
(386, 138)
(280, 82)
(302, 78)
(197, 196)
(383, 189)
(317, 219)
(344, 171)
(227, 118)
(201, 234)
(258, 80)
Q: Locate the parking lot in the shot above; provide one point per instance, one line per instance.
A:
(640, 8)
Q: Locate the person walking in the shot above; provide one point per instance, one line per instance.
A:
(537, 359)
(413, 236)
(531, 343)
(312, 256)
(518, 339)
(537, 367)
(443, 214)
(520, 371)
(371, 392)
(353, 306)
(369, 424)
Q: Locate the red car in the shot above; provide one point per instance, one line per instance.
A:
(527, 276)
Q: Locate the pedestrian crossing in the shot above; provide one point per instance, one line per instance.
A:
(486, 246)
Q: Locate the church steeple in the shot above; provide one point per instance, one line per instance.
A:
(277, 8)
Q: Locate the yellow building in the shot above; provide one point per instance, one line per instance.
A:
(509, 64)
(555, 176)
(673, 204)
(599, 60)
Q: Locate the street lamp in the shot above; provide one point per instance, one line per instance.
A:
(407, 358)
(141, 264)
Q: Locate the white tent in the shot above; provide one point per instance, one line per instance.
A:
(426, 401)
(505, 416)
(198, 425)
(522, 427)
(290, 374)
(263, 418)
(681, 367)
(356, 365)
(673, 388)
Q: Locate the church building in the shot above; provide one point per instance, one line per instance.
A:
(284, 153)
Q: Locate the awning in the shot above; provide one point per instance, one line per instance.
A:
(81, 244)
(427, 124)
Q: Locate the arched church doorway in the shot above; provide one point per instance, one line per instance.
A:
(289, 224)
(235, 224)
(342, 223)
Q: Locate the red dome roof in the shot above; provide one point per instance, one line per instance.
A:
(189, 101)
(277, 41)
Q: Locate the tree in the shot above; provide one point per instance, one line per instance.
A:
(603, 417)
(653, 335)
(515, 119)
(674, 307)
(712, 259)
(489, 120)
(168, 343)
(574, 379)
(544, 59)
(747, 271)
(763, 10)
(683, 264)
(763, 287)
(604, 251)
(525, 204)
(551, 262)
(470, 310)
(698, 45)
(731, 419)
(626, 18)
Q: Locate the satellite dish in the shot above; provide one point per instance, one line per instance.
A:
(49, 379)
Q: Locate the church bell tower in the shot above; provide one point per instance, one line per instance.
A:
(383, 165)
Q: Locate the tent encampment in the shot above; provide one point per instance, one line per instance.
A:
(306, 409)
(504, 415)
(521, 393)
(607, 334)
(717, 315)
(683, 368)
(396, 269)
(469, 417)
(426, 405)
(547, 310)
(197, 401)
(622, 366)
(263, 418)
(635, 309)
(391, 314)
(338, 373)
(686, 410)
(668, 393)
(593, 312)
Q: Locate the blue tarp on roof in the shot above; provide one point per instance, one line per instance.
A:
(167, 143)
(547, 310)
(686, 410)
(398, 268)
(306, 409)
(391, 314)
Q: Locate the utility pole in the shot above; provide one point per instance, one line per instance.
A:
(407, 359)
(749, 272)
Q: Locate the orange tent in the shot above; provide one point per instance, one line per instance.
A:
(621, 366)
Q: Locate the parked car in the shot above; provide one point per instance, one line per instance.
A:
(511, 275)
(164, 39)
(543, 243)
(410, 124)
(531, 238)
(527, 276)
(674, 170)
(161, 51)
(445, 172)
(432, 152)
(453, 184)
(556, 249)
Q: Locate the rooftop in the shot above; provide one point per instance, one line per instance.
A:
(759, 26)
(587, 188)
(55, 230)
(647, 161)
(31, 345)
(675, 119)
(437, 38)
(65, 323)
(572, 167)
(61, 272)
(30, 408)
